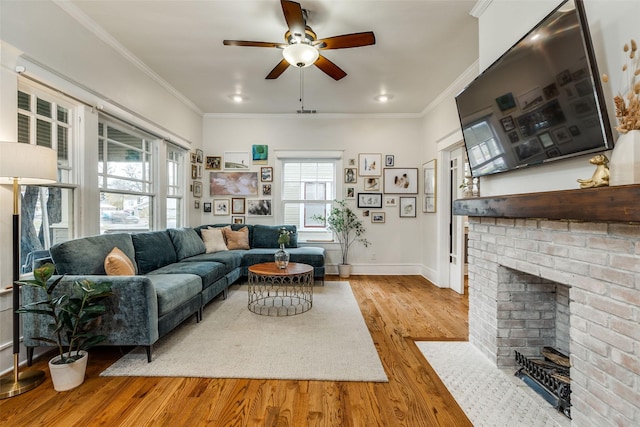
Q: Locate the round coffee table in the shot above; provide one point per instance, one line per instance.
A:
(280, 292)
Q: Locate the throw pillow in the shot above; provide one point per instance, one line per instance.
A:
(213, 240)
(237, 239)
(118, 264)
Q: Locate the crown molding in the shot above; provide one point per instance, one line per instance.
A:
(317, 116)
(480, 7)
(73, 11)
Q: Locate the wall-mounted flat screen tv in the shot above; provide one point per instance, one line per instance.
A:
(541, 101)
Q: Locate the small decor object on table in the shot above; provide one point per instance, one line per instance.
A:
(600, 177)
(281, 257)
(625, 159)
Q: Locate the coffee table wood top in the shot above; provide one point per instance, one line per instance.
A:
(270, 269)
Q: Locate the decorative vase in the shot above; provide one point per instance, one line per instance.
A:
(281, 257)
(344, 270)
(66, 376)
(624, 166)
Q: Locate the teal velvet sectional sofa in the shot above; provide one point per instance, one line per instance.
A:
(174, 278)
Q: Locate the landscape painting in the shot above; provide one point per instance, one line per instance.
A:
(233, 183)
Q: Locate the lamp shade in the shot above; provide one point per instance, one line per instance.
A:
(30, 164)
(300, 54)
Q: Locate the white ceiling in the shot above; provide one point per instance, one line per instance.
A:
(422, 46)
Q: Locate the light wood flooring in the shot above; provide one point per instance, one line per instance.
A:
(398, 310)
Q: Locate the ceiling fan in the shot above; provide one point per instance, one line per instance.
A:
(302, 47)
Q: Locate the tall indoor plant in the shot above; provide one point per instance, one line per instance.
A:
(73, 315)
(348, 229)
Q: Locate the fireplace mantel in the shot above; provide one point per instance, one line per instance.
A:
(608, 204)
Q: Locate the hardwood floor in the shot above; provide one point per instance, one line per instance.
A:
(398, 311)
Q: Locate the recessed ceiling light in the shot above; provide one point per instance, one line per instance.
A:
(236, 97)
(383, 97)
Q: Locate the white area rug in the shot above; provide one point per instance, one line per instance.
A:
(329, 342)
(488, 395)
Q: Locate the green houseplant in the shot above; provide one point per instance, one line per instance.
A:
(72, 315)
(347, 228)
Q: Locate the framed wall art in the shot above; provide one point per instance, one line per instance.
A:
(197, 188)
(350, 193)
(237, 205)
(266, 189)
(407, 207)
(369, 200)
(350, 175)
(259, 207)
(372, 184)
(389, 161)
(233, 183)
(206, 206)
(221, 206)
(199, 156)
(370, 164)
(236, 160)
(237, 219)
(401, 180)
(390, 201)
(377, 217)
(266, 174)
(259, 154)
(213, 162)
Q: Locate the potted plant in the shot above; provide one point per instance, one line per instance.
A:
(282, 256)
(348, 229)
(72, 316)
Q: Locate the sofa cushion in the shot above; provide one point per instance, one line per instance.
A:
(230, 259)
(174, 289)
(266, 236)
(213, 239)
(86, 256)
(209, 272)
(186, 242)
(153, 250)
(118, 264)
(237, 239)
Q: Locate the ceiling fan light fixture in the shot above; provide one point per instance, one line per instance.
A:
(300, 54)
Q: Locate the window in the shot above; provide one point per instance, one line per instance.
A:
(175, 185)
(125, 171)
(47, 213)
(308, 191)
(484, 152)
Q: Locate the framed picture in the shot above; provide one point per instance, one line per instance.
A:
(266, 189)
(312, 212)
(389, 161)
(194, 157)
(390, 201)
(259, 154)
(513, 136)
(236, 160)
(407, 207)
(352, 162)
(221, 206)
(266, 174)
(259, 207)
(206, 206)
(350, 193)
(369, 200)
(401, 180)
(563, 77)
(199, 156)
(237, 205)
(531, 98)
(213, 162)
(554, 152)
(545, 139)
(372, 184)
(507, 123)
(506, 102)
(233, 183)
(370, 164)
(196, 204)
(551, 91)
(561, 135)
(237, 219)
(584, 106)
(377, 217)
(197, 188)
(429, 170)
(350, 175)
(199, 172)
(194, 171)
(528, 149)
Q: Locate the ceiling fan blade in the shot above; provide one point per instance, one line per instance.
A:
(347, 40)
(293, 15)
(252, 44)
(331, 69)
(279, 69)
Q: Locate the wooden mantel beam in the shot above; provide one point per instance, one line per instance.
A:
(605, 204)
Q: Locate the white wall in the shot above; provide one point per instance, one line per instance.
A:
(396, 244)
(612, 24)
(57, 50)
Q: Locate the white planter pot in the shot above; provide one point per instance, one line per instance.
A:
(624, 166)
(344, 270)
(68, 375)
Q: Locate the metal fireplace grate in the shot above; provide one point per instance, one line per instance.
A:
(549, 379)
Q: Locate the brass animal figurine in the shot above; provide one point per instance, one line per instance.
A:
(600, 177)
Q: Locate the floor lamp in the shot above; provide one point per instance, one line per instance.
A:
(22, 164)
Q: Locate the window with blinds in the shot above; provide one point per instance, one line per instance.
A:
(175, 185)
(308, 190)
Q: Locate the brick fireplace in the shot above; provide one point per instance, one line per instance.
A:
(537, 280)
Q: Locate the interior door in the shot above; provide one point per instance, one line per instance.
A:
(456, 224)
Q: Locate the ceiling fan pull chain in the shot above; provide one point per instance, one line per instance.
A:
(301, 89)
